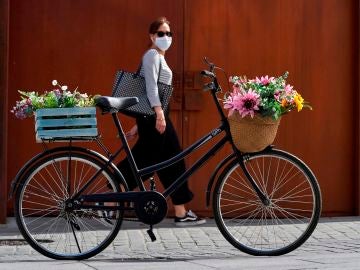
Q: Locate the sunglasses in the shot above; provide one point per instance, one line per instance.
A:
(161, 34)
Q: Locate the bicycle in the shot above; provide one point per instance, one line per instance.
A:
(70, 201)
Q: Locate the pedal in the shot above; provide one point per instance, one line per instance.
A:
(151, 234)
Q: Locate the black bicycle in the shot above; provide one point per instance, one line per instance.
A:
(70, 201)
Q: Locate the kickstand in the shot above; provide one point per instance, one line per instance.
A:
(151, 234)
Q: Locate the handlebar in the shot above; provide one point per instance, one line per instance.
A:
(211, 65)
(213, 85)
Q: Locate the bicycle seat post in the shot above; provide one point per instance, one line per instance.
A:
(129, 155)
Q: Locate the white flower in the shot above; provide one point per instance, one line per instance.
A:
(64, 87)
(54, 82)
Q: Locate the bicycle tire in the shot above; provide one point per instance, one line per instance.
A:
(41, 216)
(282, 226)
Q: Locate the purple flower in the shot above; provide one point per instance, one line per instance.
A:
(57, 93)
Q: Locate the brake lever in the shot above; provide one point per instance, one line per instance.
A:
(209, 86)
(208, 74)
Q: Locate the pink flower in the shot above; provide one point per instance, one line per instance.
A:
(248, 103)
(265, 80)
(245, 102)
(288, 90)
(277, 95)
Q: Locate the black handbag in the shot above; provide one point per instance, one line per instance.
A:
(128, 84)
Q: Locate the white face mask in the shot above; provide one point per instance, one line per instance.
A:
(163, 43)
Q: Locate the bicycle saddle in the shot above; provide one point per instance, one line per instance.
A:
(115, 104)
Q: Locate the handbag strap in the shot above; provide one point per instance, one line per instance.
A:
(139, 69)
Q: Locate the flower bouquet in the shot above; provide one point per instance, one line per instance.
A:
(60, 97)
(59, 114)
(255, 109)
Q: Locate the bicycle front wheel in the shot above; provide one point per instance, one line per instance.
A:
(50, 227)
(282, 224)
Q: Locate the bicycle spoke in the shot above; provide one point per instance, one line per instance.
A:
(47, 212)
(266, 228)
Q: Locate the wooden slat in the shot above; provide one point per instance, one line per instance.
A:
(66, 123)
(65, 111)
(66, 133)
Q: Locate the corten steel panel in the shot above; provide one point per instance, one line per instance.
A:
(316, 42)
(357, 143)
(81, 43)
(4, 12)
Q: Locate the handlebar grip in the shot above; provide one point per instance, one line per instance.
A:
(208, 74)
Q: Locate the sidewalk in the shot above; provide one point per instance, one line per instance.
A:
(335, 244)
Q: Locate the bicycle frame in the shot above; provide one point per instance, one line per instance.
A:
(138, 173)
(287, 210)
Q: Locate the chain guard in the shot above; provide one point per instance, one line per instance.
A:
(151, 207)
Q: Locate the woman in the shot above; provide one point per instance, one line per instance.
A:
(157, 138)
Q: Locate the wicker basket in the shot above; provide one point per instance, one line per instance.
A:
(252, 134)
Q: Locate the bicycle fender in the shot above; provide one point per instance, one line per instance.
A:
(220, 166)
(214, 174)
(15, 182)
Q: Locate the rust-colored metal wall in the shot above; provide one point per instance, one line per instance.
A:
(82, 43)
(357, 143)
(317, 42)
(4, 24)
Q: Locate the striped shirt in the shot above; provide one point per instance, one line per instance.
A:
(150, 70)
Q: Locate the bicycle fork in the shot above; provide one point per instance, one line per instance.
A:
(263, 198)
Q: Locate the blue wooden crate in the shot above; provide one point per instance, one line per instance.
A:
(65, 123)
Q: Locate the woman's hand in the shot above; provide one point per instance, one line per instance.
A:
(131, 134)
(160, 125)
(160, 119)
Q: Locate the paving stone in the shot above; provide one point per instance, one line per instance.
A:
(331, 237)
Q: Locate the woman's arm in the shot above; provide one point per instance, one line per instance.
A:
(151, 65)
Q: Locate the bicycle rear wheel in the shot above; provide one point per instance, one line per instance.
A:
(51, 228)
(274, 229)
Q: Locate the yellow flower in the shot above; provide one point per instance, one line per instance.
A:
(298, 102)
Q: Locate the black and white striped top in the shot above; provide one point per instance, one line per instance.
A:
(150, 70)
